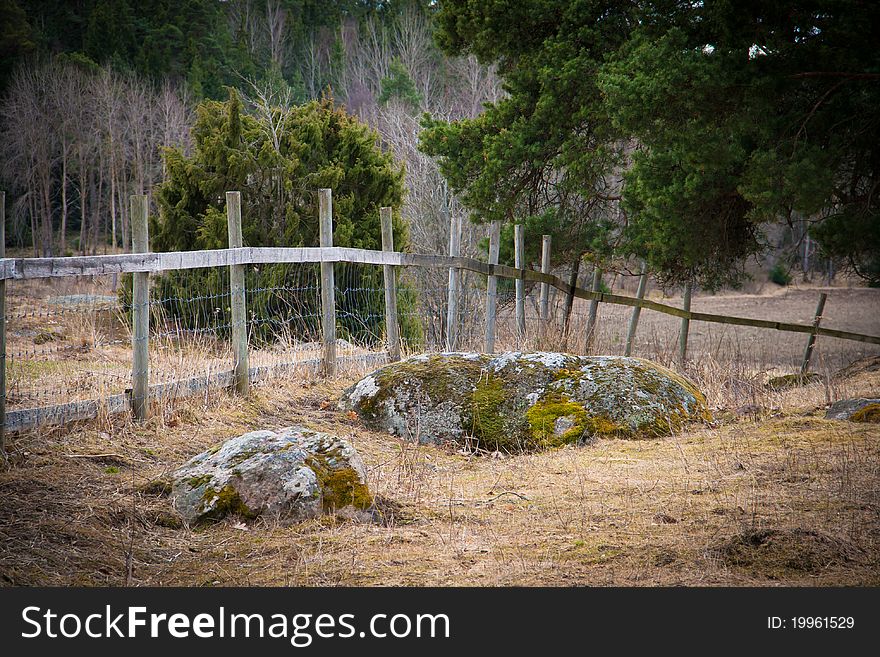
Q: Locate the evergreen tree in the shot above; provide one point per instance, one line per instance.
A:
(543, 154)
(278, 163)
(732, 115)
(400, 86)
(16, 37)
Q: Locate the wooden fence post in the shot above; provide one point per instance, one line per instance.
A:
(452, 297)
(392, 332)
(140, 312)
(594, 306)
(811, 341)
(637, 310)
(492, 285)
(237, 295)
(328, 283)
(2, 330)
(685, 325)
(519, 262)
(545, 269)
(569, 298)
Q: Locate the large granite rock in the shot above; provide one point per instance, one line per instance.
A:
(293, 474)
(524, 401)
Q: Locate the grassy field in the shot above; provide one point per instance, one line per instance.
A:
(767, 496)
(771, 493)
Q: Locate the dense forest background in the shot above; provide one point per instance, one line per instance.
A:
(694, 136)
(95, 91)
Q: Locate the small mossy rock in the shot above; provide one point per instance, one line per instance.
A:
(857, 410)
(788, 381)
(291, 475)
(524, 401)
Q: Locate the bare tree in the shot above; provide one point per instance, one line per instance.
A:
(244, 22)
(276, 31)
(110, 97)
(413, 46)
(175, 116)
(86, 143)
(476, 85)
(73, 136)
(30, 140)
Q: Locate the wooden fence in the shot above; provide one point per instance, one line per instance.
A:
(143, 263)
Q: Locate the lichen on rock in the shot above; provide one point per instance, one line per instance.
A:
(523, 401)
(292, 474)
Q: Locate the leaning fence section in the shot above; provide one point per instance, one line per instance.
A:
(107, 334)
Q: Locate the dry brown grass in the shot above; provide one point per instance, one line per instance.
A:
(771, 494)
(780, 497)
(68, 340)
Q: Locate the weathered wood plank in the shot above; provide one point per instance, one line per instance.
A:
(634, 320)
(545, 269)
(328, 283)
(492, 286)
(594, 307)
(28, 418)
(7, 268)
(519, 247)
(392, 331)
(453, 292)
(26, 268)
(237, 295)
(685, 325)
(140, 312)
(570, 293)
(811, 341)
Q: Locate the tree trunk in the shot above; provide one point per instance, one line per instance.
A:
(83, 230)
(97, 192)
(32, 211)
(46, 228)
(112, 199)
(62, 232)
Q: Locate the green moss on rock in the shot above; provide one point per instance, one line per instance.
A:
(555, 420)
(515, 401)
(487, 409)
(196, 482)
(788, 381)
(225, 502)
(869, 413)
(340, 487)
(293, 474)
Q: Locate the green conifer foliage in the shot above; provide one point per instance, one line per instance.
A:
(278, 163)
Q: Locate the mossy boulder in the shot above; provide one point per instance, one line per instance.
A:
(292, 474)
(789, 381)
(524, 401)
(856, 410)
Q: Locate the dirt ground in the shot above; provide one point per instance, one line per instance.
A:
(855, 309)
(768, 495)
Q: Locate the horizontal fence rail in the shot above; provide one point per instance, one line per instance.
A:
(30, 268)
(260, 325)
(91, 408)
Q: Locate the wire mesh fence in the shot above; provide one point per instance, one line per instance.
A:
(69, 339)
(66, 341)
